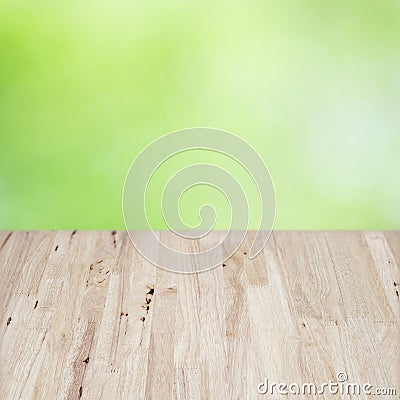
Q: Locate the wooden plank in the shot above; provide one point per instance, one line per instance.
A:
(84, 316)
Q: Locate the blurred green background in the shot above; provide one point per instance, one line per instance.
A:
(312, 85)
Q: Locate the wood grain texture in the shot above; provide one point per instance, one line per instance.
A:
(84, 316)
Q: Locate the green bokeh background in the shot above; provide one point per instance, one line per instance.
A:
(312, 85)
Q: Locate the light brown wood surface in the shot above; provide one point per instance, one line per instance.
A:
(84, 316)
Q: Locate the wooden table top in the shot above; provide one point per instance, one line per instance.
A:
(83, 315)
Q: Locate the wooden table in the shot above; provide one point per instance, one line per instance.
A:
(84, 316)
